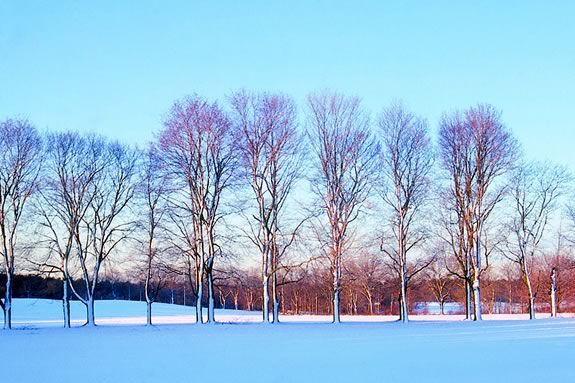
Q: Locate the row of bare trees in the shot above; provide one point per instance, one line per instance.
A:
(371, 204)
(369, 287)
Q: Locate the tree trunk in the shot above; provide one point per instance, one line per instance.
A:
(200, 291)
(265, 298)
(527, 280)
(90, 317)
(66, 303)
(147, 296)
(336, 318)
(148, 312)
(403, 296)
(477, 277)
(276, 302)
(553, 293)
(8, 301)
(370, 301)
(477, 297)
(510, 299)
(336, 290)
(211, 298)
(468, 308)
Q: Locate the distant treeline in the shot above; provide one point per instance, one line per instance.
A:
(40, 287)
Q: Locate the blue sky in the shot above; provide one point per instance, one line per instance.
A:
(116, 66)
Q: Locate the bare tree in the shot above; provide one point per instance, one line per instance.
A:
(106, 223)
(553, 292)
(345, 161)
(152, 192)
(439, 282)
(477, 150)
(20, 161)
(367, 274)
(70, 171)
(452, 231)
(184, 248)
(271, 157)
(454, 149)
(197, 148)
(535, 189)
(406, 159)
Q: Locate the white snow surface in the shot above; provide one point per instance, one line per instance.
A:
(367, 349)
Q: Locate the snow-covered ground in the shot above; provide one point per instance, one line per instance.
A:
(422, 351)
(48, 313)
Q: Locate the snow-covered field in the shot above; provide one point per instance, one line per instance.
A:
(425, 350)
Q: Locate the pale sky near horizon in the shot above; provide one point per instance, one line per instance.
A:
(115, 67)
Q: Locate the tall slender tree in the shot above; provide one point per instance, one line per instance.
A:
(271, 156)
(454, 149)
(345, 163)
(70, 171)
(406, 162)
(20, 162)
(152, 192)
(476, 149)
(106, 224)
(535, 189)
(197, 147)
